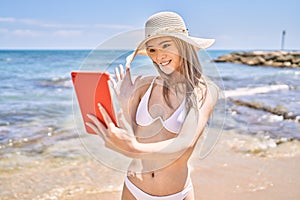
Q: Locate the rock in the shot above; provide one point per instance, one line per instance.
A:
(284, 58)
(278, 110)
(263, 58)
(296, 61)
(287, 64)
(277, 64)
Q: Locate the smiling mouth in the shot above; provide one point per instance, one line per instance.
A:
(165, 63)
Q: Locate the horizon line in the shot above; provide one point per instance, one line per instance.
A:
(91, 49)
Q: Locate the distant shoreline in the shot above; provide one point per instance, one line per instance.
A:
(282, 59)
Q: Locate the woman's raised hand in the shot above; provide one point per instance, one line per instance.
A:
(124, 89)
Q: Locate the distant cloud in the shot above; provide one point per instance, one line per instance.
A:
(43, 24)
(67, 33)
(7, 19)
(29, 21)
(25, 33)
(53, 25)
(84, 26)
(113, 26)
(26, 21)
(17, 33)
(36, 33)
(3, 30)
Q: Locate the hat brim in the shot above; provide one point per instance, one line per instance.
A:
(199, 43)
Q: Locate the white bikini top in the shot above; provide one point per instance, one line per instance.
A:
(172, 124)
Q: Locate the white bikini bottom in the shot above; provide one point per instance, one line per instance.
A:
(141, 195)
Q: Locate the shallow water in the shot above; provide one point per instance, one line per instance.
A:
(42, 155)
(36, 99)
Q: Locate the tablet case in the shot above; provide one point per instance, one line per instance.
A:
(92, 88)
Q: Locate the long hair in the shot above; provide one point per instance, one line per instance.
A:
(191, 76)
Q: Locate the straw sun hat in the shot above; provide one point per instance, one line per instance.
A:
(168, 24)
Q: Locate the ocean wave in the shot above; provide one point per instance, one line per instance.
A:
(5, 59)
(257, 90)
(56, 82)
(295, 73)
(264, 146)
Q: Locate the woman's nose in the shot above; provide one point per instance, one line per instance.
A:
(160, 54)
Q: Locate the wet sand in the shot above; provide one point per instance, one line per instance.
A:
(239, 167)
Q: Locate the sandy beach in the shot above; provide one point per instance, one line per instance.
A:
(239, 167)
(41, 156)
(45, 152)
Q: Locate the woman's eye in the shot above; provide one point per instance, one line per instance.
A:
(151, 50)
(166, 45)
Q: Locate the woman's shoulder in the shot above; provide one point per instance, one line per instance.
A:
(144, 81)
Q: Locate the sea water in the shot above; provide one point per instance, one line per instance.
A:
(36, 95)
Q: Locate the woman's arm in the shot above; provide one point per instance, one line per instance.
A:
(121, 139)
(192, 129)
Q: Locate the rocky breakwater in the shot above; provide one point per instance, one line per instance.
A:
(263, 58)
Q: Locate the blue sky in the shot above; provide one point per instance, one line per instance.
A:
(84, 24)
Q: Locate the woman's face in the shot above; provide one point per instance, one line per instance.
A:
(164, 52)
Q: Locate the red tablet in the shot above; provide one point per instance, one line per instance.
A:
(92, 88)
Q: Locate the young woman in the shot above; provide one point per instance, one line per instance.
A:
(161, 118)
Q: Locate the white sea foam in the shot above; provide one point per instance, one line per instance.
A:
(296, 73)
(271, 118)
(256, 90)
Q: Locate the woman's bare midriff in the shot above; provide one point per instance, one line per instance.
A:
(165, 178)
(165, 181)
